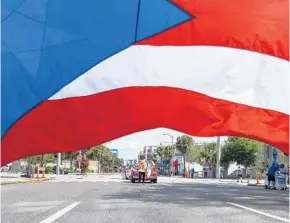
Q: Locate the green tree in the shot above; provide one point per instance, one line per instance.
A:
(116, 163)
(208, 154)
(154, 156)
(262, 159)
(41, 159)
(103, 154)
(243, 151)
(183, 145)
(165, 151)
(194, 154)
(71, 156)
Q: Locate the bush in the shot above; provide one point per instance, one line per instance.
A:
(50, 170)
(70, 170)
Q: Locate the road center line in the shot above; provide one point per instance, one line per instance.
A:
(60, 213)
(259, 212)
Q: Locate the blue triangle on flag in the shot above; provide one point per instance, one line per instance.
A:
(30, 60)
(163, 15)
(105, 27)
(55, 37)
(34, 9)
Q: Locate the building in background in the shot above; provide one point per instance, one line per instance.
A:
(128, 162)
(115, 152)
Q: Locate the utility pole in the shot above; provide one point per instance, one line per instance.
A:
(218, 157)
(58, 161)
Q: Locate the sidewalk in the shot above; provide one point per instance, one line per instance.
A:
(251, 183)
(12, 178)
(8, 178)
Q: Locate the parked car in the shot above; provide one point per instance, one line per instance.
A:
(152, 178)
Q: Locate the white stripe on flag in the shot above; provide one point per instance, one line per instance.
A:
(235, 75)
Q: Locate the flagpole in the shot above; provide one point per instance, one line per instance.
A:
(58, 162)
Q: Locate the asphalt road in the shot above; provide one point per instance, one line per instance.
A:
(113, 200)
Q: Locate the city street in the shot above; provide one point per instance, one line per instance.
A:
(110, 198)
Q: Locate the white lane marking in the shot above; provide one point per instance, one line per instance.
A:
(259, 212)
(60, 213)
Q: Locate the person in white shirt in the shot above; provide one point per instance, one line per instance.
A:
(239, 175)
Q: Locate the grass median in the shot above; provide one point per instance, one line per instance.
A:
(33, 180)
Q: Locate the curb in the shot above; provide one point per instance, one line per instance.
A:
(259, 185)
(25, 181)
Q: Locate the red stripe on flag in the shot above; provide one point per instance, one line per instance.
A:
(73, 123)
(256, 25)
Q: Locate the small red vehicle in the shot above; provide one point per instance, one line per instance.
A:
(152, 178)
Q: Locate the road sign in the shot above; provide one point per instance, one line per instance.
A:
(79, 158)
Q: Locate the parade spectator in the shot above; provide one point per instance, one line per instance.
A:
(271, 174)
(239, 175)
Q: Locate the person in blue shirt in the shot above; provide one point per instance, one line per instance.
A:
(192, 172)
(271, 173)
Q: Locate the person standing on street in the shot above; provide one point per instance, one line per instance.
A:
(271, 174)
(192, 173)
(240, 175)
(142, 168)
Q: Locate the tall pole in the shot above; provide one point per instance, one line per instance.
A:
(218, 157)
(79, 162)
(173, 147)
(58, 161)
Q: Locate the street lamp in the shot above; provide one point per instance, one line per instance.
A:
(172, 140)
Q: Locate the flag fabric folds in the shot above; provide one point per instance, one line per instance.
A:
(77, 74)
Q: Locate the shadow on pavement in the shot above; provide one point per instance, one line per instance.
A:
(192, 195)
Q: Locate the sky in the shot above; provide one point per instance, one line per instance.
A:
(129, 146)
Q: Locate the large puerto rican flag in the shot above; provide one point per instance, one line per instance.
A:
(78, 73)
